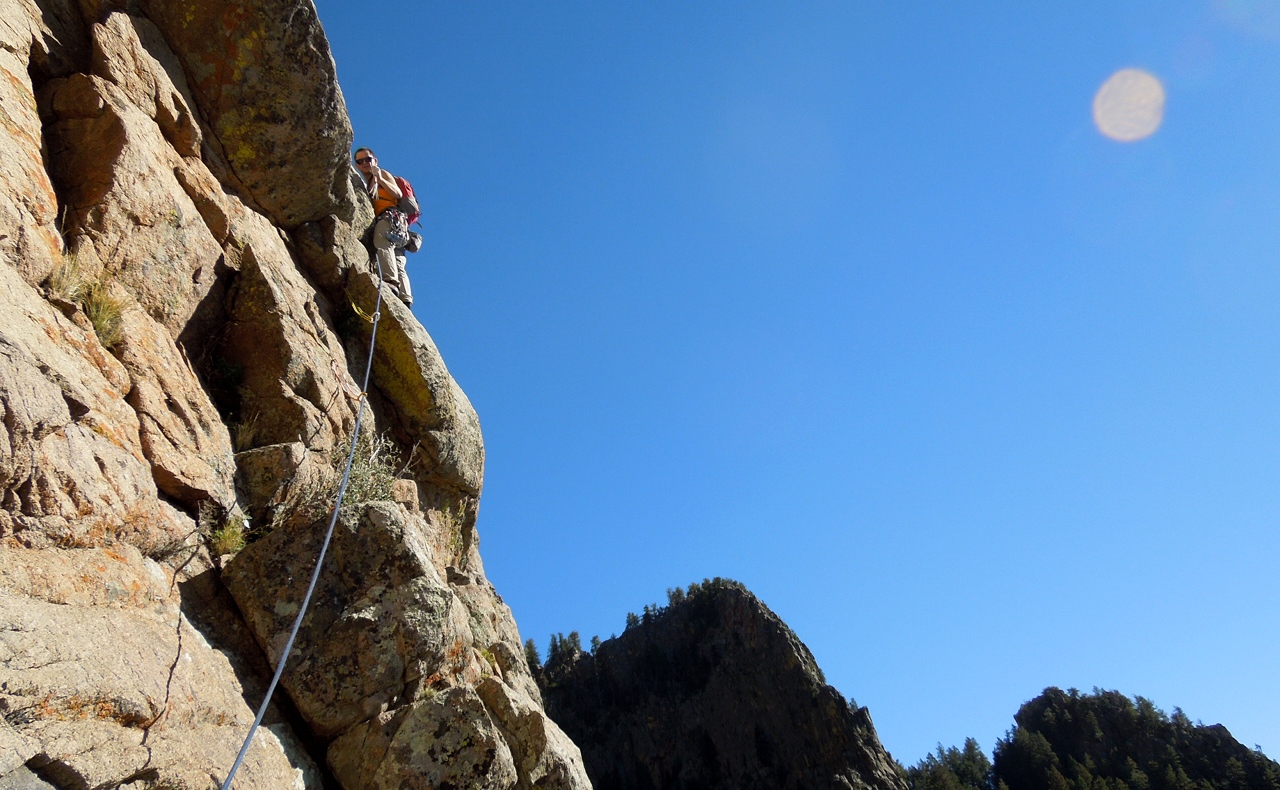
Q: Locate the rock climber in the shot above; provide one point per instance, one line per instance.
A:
(391, 230)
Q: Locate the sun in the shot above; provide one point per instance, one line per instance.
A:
(1129, 106)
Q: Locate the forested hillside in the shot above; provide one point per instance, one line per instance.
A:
(1065, 740)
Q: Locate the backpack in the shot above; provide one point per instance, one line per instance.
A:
(408, 201)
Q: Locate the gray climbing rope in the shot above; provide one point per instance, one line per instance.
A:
(324, 548)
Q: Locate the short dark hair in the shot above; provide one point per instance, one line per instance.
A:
(370, 150)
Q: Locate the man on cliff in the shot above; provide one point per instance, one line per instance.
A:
(391, 230)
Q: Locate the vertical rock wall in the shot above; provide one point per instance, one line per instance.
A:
(180, 242)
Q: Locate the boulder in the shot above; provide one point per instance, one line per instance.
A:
(131, 53)
(296, 383)
(383, 628)
(115, 169)
(544, 755)
(216, 208)
(405, 494)
(72, 467)
(446, 740)
(493, 625)
(29, 240)
(180, 430)
(267, 86)
(118, 577)
(395, 665)
(278, 476)
(330, 248)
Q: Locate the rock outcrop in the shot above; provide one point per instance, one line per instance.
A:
(106, 682)
(415, 678)
(179, 356)
(713, 691)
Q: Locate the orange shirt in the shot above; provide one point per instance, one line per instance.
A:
(384, 200)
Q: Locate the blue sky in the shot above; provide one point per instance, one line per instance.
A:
(851, 302)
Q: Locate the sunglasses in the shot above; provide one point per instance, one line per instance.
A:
(364, 160)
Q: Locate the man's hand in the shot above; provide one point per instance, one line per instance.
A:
(387, 181)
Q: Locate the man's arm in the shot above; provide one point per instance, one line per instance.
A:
(388, 181)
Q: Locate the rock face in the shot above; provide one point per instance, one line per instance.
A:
(106, 681)
(270, 67)
(711, 692)
(413, 678)
(180, 244)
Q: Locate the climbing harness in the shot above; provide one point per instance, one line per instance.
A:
(324, 548)
(397, 226)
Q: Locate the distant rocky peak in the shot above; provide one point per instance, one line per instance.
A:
(711, 691)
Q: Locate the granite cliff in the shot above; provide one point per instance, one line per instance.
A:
(183, 254)
(712, 691)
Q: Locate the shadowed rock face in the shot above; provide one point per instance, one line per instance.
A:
(712, 692)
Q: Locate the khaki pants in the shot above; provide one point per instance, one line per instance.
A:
(391, 261)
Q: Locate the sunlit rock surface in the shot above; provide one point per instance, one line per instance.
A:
(183, 277)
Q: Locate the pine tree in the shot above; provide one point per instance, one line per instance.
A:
(531, 654)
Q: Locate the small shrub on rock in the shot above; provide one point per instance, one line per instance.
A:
(373, 470)
(228, 538)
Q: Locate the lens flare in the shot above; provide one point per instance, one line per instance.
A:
(1129, 106)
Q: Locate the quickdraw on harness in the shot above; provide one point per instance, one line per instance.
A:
(397, 226)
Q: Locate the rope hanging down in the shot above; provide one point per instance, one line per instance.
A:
(324, 548)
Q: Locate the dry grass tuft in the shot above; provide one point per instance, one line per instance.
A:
(245, 433)
(105, 311)
(69, 281)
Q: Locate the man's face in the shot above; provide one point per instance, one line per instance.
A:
(365, 160)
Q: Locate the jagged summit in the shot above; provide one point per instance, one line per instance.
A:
(712, 691)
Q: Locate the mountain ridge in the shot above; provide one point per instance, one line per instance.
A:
(711, 691)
